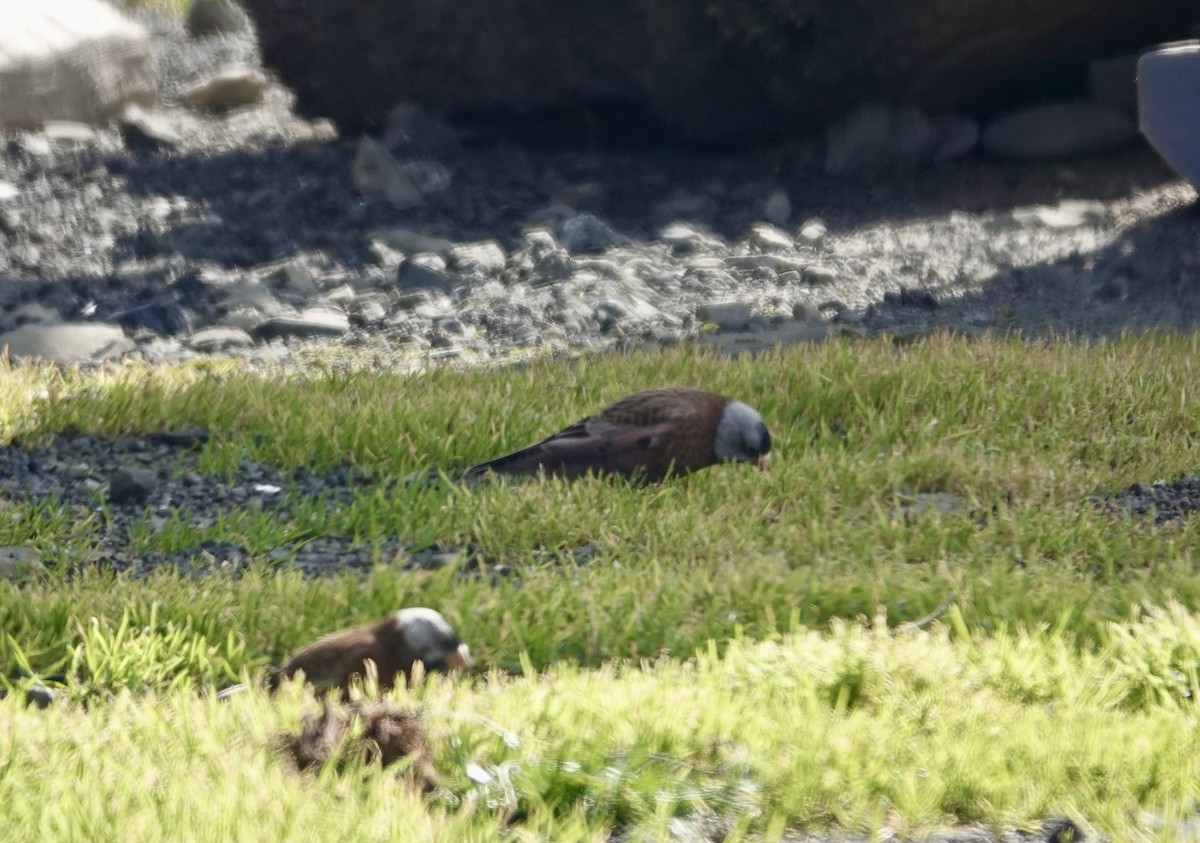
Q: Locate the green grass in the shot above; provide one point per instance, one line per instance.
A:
(1049, 690)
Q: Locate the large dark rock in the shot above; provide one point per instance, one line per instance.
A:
(720, 70)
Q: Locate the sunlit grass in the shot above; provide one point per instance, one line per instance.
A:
(1048, 691)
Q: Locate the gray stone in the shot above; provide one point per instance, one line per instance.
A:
(406, 240)
(211, 340)
(587, 233)
(1058, 130)
(426, 272)
(683, 239)
(485, 258)
(1069, 213)
(767, 236)
(818, 274)
(343, 294)
(71, 60)
(292, 277)
(163, 317)
(1168, 79)
(68, 132)
(20, 563)
(67, 343)
(311, 323)
(214, 17)
(231, 88)
(812, 233)
(404, 183)
(803, 312)
(726, 315)
(142, 130)
(132, 485)
(36, 313)
(772, 262)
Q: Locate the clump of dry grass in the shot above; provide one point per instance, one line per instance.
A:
(376, 732)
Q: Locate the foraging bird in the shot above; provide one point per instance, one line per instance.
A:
(649, 435)
(394, 644)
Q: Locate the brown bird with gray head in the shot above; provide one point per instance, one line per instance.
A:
(650, 435)
(395, 644)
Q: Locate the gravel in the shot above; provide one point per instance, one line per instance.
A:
(181, 234)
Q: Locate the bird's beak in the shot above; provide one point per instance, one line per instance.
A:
(763, 462)
(461, 659)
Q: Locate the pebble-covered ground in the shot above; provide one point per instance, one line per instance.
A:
(244, 234)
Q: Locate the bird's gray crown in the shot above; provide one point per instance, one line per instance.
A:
(741, 434)
(426, 631)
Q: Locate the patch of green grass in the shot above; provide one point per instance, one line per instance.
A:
(1049, 691)
(857, 727)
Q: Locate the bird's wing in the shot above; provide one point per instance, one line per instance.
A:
(594, 445)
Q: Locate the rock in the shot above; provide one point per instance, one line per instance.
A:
(214, 17)
(67, 343)
(878, 138)
(1112, 82)
(1058, 130)
(426, 272)
(69, 132)
(778, 209)
(1069, 213)
(409, 241)
(818, 274)
(412, 132)
(141, 130)
(405, 184)
(587, 234)
(484, 258)
(231, 88)
(311, 323)
(803, 312)
(215, 339)
(131, 486)
(912, 297)
(771, 262)
(726, 71)
(36, 313)
(20, 563)
(164, 317)
(725, 315)
(1167, 85)
(292, 277)
(76, 60)
(684, 240)
(8, 191)
(766, 236)
(812, 233)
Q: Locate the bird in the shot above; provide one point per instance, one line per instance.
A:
(650, 435)
(394, 644)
